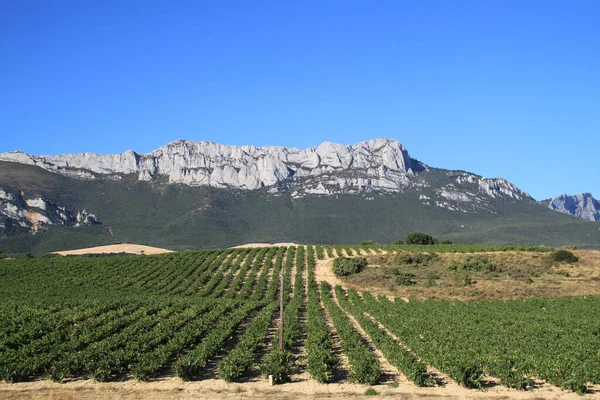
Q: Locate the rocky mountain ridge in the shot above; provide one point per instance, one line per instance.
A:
(34, 214)
(582, 205)
(379, 165)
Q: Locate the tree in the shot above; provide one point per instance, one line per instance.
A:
(564, 256)
(419, 238)
(343, 266)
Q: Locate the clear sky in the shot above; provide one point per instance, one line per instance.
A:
(498, 88)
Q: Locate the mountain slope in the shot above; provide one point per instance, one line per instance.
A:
(178, 216)
(351, 202)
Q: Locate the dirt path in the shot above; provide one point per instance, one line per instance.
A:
(323, 272)
(258, 388)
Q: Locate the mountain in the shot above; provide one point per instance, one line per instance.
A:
(382, 165)
(581, 205)
(32, 215)
(201, 194)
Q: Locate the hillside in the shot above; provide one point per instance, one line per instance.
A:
(179, 216)
(328, 194)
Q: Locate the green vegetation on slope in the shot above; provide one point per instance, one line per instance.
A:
(181, 217)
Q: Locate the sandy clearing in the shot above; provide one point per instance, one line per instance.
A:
(323, 272)
(252, 245)
(116, 248)
(258, 388)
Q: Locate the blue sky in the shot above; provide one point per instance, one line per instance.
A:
(499, 88)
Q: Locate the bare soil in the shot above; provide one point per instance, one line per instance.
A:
(116, 248)
(258, 388)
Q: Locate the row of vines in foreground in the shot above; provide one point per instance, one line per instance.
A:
(214, 313)
(141, 316)
(555, 339)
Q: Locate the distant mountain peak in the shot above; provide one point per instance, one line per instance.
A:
(582, 205)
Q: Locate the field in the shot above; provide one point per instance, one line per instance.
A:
(204, 323)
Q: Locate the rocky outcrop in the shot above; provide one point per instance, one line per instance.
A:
(380, 165)
(581, 205)
(36, 213)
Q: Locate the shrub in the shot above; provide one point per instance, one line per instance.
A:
(445, 242)
(420, 259)
(343, 266)
(430, 280)
(405, 279)
(419, 238)
(279, 364)
(563, 256)
(475, 264)
(399, 241)
(367, 243)
(2, 255)
(463, 279)
(371, 392)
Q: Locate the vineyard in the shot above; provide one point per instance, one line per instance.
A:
(214, 314)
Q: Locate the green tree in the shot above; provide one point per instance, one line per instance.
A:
(343, 266)
(419, 238)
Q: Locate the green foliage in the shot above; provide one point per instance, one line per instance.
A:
(419, 238)
(463, 279)
(319, 345)
(405, 279)
(367, 243)
(399, 241)
(371, 392)
(240, 359)
(343, 266)
(144, 316)
(166, 215)
(430, 280)
(446, 241)
(2, 255)
(278, 364)
(365, 366)
(414, 369)
(475, 264)
(562, 272)
(563, 256)
(415, 259)
(463, 339)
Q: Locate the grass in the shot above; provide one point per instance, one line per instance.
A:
(501, 275)
(371, 392)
